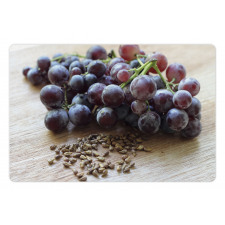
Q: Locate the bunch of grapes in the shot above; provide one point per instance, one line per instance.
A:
(129, 88)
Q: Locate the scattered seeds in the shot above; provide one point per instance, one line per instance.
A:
(51, 161)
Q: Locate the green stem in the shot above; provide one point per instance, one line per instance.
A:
(141, 63)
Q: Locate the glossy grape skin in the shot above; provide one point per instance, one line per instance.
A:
(143, 87)
(34, 76)
(113, 62)
(97, 68)
(177, 71)
(107, 80)
(43, 63)
(58, 75)
(52, 96)
(96, 52)
(77, 64)
(135, 64)
(138, 107)
(89, 79)
(82, 99)
(106, 117)
(177, 119)
(26, 70)
(164, 126)
(86, 62)
(116, 68)
(123, 75)
(163, 101)
(77, 83)
(122, 111)
(56, 120)
(75, 71)
(189, 84)
(182, 99)
(193, 128)
(95, 93)
(129, 52)
(55, 56)
(113, 95)
(79, 115)
(159, 82)
(128, 96)
(149, 122)
(162, 62)
(69, 94)
(132, 119)
(195, 108)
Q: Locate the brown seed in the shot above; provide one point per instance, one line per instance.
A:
(84, 178)
(118, 147)
(120, 162)
(140, 148)
(132, 164)
(66, 159)
(68, 154)
(83, 157)
(104, 145)
(124, 157)
(104, 173)
(89, 152)
(79, 175)
(51, 161)
(65, 150)
(139, 140)
(94, 146)
(147, 149)
(123, 151)
(101, 159)
(106, 154)
(126, 169)
(119, 168)
(111, 166)
(66, 164)
(128, 160)
(82, 164)
(111, 148)
(57, 152)
(57, 157)
(95, 153)
(75, 172)
(95, 173)
(133, 153)
(100, 170)
(76, 155)
(72, 161)
(53, 147)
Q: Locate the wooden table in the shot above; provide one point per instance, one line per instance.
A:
(172, 158)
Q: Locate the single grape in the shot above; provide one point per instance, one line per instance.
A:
(79, 114)
(106, 117)
(177, 71)
(95, 93)
(82, 99)
(129, 52)
(56, 59)
(116, 68)
(135, 64)
(26, 70)
(97, 68)
(123, 75)
(177, 119)
(113, 62)
(143, 87)
(53, 63)
(132, 119)
(77, 83)
(142, 52)
(96, 52)
(89, 79)
(86, 62)
(75, 71)
(43, 63)
(182, 99)
(163, 101)
(128, 96)
(77, 64)
(195, 108)
(122, 111)
(113, 95)
(161, 61)
(34, 76)
(164, 126)
(149, 122)
(56, 120)
(193, 129)
(139, 107)
(159, 82)
(107, 80)
(52, 96)
(189, 84)
(58, 75)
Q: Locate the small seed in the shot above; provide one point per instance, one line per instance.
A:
(106, 154)
(100, 170)
(84, 178)
(68, 154)
(111, 166)
(51, 161)
(138, 140)
(101, 159)
(120, 162)
(76, 155)
(89, 152)
(57, 152)
(75, 172)
(128, 160)
(82, 164)
(57, 157)
(124, 157)
(95, 173)
(66, 159)
(95, 153)
(66, 165)
(134, 153)
(104, 145)
(53, 147)
(140, 148)
(147, 149)
(104, 173)
(79, 175)
(132, 165)
(72, 161)
(83, 157)
(111, 148)
(126, 169)
(119, 168)
(123, 151)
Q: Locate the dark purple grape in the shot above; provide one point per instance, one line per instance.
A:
(159, 82)
(79, 114)
(53, 63)
(177, 119)
(106, 117)
(56, 120)
(138, 107)
(107, 80)
(77, 64)
(128, 96)
(135, 64)
(193, 129)
(164, 126)
(161, 61)
(129, 52)
(26, 70)
(182, 99)
(43, 63)
(163, 101)
(52, 96)
(77, 83)
(58, 75)
(95, 93)
(132, 119)
(89, 79)
(189, 84)
(177, 71)
(199, 116)
(116, 68)
(122, 111)
(149, 122)
(86, 62)
(195, 108)
(69, 94)
(34, 76)
(75, 71)
(56, 58)
(71, 58)
(65, 64)
(113, 95)
(96, 52)
(113, 62)
(97, 68)
(82, 99)
(143, 87)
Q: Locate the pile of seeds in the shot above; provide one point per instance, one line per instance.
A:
(91, 162)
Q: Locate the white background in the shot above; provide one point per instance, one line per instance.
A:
(112, 22)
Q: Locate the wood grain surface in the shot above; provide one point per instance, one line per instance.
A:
(172, 158)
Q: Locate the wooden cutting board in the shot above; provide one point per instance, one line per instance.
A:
(172, 158)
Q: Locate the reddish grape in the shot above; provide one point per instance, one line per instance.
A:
(138, 107)
(96, 52)
(116, 68)
(143, 87)
(182, 99)
(26, 70)
(34, 76)
(161, 62)
(193, 129)
(75, 71)
(141, 52)
(195, 108)
(106, 117)
(113, 95)
(95, 93)
(97, 68)
(129, 52)
(77, 83)
(123, 75)
(177, 71)
(43, 63)
(113, 62)
(189, 84)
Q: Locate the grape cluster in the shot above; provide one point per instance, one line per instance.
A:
(129, 88)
